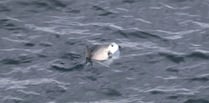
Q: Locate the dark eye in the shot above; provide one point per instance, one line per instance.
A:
(112, 45)
(109, 53)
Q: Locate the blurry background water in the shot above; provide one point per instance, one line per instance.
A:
(165, 48)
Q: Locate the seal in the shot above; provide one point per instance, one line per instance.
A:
(101, 52)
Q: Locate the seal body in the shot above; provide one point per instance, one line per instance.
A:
(101, 52)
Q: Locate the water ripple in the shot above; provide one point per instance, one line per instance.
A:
(20, 49)
(53, 30)
(196, 101)
(164, 54)
(201, 24)
(200, 78)
(162, 89)
(181, 57)
(12, 83)
(10, 99)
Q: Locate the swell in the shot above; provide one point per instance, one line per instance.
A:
(8, 24)
(17, 60)
(4, 8)
(135, 34)
(48, 4)
(179, 57)
(200, 78)
(199, 100)
(33, 5)
(102, 11)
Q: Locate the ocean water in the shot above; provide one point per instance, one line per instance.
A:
(164, 55)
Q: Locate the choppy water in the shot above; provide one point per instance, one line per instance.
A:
(165, 48)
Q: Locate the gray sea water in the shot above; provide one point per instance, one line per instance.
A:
(164, 56)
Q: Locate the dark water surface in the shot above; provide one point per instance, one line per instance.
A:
(165, 54)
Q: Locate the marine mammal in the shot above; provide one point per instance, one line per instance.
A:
(101, 52)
